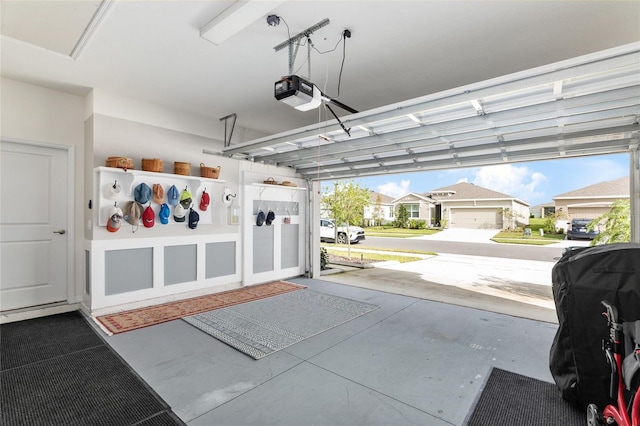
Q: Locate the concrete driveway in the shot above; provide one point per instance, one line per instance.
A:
(510, 286)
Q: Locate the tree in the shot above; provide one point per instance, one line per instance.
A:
(346, 203)
(377, 211)
(402, 216)
(550, 221)
(616, 224)
(511, 216)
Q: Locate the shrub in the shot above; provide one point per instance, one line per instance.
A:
(324, 258)
(417, 224)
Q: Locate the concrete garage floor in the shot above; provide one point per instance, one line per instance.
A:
(412, 361)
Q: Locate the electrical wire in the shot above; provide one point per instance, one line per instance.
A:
(343, 39)
(344, 53)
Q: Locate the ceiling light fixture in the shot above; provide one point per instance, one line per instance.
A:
(414, 118)
(236, 18)
(478, 106)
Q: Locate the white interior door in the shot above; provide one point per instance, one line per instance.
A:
(34, 185)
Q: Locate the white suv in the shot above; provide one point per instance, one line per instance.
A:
(328, 232)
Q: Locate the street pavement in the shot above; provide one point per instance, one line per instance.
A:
(512, 286)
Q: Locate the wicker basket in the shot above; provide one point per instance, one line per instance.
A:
(270, 181)
(180, 168)
(120, 162)
(152, 165)
(209, 172)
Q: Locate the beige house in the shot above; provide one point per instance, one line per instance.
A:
(419, 207)
(593, 200)
(465, 205)
(380, 207)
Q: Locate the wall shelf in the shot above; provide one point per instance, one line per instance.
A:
(145, 174)
(271, 185)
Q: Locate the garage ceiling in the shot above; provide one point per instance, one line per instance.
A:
(411, 67)
(584, 106)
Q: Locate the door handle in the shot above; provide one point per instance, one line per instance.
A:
(60, 231)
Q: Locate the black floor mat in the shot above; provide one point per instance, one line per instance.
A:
(57, 371)
(511, 399)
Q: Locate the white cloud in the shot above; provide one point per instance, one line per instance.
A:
(463, 180)
(518, 181)
(393, 189)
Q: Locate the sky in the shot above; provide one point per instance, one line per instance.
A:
(534, 183)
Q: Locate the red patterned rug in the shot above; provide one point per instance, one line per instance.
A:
(144, 317)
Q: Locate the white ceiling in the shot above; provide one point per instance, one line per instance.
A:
(399, 50)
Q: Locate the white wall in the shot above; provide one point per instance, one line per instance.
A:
(103, 124)
(117, 106)
(35, 114)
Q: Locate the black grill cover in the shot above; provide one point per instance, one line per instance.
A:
(581, 279)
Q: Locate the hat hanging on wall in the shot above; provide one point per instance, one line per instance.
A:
(115, 217)
(142, 193)
(185, 198)
(112, 190)
(148, 217)
(194, 218)
(173, 196)
(158, 193)
(133, 214)
(270, 217)
(178, 213)
(260, 218)
(204, 200)
(164, 214)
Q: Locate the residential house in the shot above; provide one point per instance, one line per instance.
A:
(419, 207)
(592, 201)
(381, 208)
(465, 205)
(543, 210)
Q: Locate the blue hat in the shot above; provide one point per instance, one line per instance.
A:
(164, 214)
(142, 193)
(173, 196)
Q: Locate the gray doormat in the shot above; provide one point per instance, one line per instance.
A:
(265, 326)
(57, 371)
(511, 399)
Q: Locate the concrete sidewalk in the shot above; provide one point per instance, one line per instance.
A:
(485, 235)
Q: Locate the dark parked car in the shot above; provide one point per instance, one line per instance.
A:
(578, 230)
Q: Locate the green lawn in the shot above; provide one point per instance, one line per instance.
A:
(535, 224)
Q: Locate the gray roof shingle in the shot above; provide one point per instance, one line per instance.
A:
(612, 189)
(468, 191)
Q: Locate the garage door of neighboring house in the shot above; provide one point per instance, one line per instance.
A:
(476, 218)
(587, 212)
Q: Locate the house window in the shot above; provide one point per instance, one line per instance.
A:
(413, 210)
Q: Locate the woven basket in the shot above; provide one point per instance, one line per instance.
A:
(209, 172)
(270, 181)
(152, 165)
(120, 162)
(180, 168)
